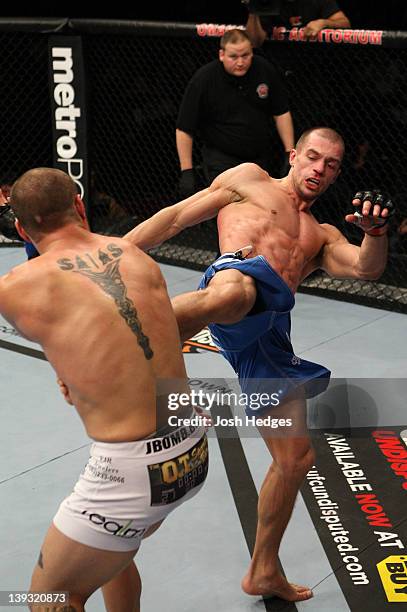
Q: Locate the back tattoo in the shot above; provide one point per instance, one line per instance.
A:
(110, 281)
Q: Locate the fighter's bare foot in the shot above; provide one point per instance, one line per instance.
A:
(277, 586)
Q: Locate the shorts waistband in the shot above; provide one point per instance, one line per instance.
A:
(241, 255)
(149, 446)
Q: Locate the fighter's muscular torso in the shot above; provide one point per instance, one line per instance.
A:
(268, 215)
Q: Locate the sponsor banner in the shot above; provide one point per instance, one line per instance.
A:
(67, 92)
(336, 36)
(357, 498)
(330, 35)
(215, 29)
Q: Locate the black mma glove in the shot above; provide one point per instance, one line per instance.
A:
(285, 166)
(186, 185)
(369, 207)
(7, 226)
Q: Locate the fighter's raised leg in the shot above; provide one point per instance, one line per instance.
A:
(229, 296)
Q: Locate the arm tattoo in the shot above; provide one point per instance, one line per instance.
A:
(111, 282)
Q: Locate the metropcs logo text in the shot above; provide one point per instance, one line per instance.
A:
(66, 114)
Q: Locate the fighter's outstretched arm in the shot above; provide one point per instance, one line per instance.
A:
(341, 259)
(344, 260)
(171, 220)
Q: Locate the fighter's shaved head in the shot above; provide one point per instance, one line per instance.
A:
(325, 132)
(42, 200)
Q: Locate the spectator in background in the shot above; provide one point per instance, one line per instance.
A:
(5, 186)
(398, 240)
(229, 104)
(106, 215)
(312, 15)
(402, 228)
(389, 15)
(7, 227)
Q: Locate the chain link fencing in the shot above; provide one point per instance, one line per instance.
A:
(25, 134)
(135, 78)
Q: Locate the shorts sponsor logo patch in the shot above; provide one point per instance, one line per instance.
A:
(117, 528)
(172, 479)
(157, 445)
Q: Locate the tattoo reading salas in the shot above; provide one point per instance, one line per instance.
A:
(110, 281)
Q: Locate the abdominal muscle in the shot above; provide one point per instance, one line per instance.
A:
(286, 253)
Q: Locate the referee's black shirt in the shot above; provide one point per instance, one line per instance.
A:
(234, 114)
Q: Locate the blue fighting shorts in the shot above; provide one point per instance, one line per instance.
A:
(259, 347)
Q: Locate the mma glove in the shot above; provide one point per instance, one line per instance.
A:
(186, 185)
(372, 223)
(7, 223)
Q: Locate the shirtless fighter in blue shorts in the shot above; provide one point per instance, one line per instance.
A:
(248, 294)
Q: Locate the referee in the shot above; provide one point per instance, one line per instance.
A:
(230, 103)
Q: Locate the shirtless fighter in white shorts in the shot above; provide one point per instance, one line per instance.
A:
(99, 308)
